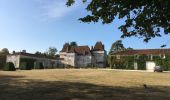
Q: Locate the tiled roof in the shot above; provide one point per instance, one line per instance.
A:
(98, 47)
(80, 50)
(65, 47)
(143, 51)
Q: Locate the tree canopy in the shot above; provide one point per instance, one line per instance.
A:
(4, 51)
(52, 51)
(117, 46)
(143, 18)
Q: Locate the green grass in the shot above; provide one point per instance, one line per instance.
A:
(82, 84)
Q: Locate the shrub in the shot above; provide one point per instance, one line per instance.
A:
(68, 66)
(9, 66)
(25, 66)
(38, 65)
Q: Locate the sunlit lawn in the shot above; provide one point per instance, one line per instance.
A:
(75, 84)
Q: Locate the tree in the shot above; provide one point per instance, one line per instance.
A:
(73, 44)
(52, 51)
(38, 53)
(143, 18)
(116, 47)
(5, 51)
(129, 48)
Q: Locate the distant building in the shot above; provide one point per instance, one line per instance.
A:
(149, 53)
(47, 62)
(77, 56)
(83, 56)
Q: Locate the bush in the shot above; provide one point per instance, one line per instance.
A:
(68, 66)
(38, 65)
(163, 63)
(9, 66)
(25, 66)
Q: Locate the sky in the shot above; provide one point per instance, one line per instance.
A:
(36, 25)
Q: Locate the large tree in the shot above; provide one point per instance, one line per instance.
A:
(52, 51)
(117, 46)
(143, 18)
(5, 51)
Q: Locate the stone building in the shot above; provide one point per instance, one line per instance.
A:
(47, 62)
(83, 56)
(146, 55)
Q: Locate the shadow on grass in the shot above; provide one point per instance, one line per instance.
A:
(18, 88)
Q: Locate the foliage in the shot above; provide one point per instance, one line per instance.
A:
(38, 65)
(143, 18)
(122, 63)
(52, 51)
(127, 62)
(163, 63)
(26, 63)
(38, 53)
(141, 61)
(2, 61)
(68, 66)
(3, 58)
(9, 66)
(116, 47)
(5, 51)
(25, 66)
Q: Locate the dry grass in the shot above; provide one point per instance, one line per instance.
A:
(75, 84)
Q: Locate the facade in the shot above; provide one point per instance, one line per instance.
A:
(150, 55)
(83, 56)
(16, 58)
(77, 56)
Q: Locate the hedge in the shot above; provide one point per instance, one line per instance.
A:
(27, 63)
(9, 66)
(2, 61)
(38, 65)
(25, 66)
(122, 63)
(163, 63)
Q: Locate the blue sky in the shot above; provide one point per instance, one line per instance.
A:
(35, 25)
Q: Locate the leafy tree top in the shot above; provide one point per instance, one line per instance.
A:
(117, 46)
(143, 18)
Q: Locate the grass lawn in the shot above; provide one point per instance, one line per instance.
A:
(83, 84)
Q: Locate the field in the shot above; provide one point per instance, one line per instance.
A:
(83, 84)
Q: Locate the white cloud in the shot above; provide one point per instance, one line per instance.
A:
(56, 9)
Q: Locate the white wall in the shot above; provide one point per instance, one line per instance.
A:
(14, 59)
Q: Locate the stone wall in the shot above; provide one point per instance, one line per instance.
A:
(83, 61)
(99, 58)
